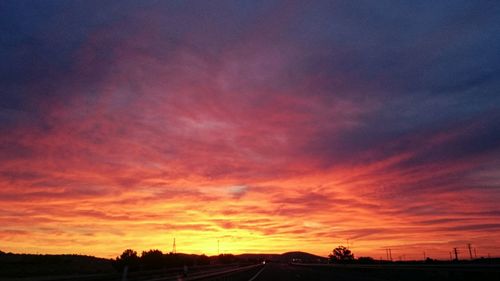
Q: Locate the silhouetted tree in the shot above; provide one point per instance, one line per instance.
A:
(127, 258)
(152, 259)
(341, 254)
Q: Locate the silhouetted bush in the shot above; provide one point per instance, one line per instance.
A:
(203, 260)
(429, 260)
(365, 260)
(226, 258)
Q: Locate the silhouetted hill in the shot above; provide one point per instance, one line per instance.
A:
(303, 256)
(258, 257)
(285, 257)
(22, 265)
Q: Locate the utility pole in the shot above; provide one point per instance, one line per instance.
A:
(456, 253)
(390, 254)
(475, 254)
(451, 257)
(470, 250)
(174, 247)
(218, 253)
(424, 256)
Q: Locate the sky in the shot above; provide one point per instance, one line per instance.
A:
(269, 126)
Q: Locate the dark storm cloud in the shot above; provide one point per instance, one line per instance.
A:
(415, 70)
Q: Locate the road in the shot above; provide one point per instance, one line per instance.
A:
(282, 271)
(286, 272)
(311, 272)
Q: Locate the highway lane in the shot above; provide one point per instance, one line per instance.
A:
(312, 272)
(280, 271)
(286, 272)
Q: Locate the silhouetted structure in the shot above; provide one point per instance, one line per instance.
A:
(174, 247)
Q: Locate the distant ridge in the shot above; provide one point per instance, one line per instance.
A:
(303, 256)
(285, 257)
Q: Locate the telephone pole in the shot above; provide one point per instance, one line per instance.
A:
(218, 253)
(470, 250)
(456, 253)
(388, 254)
(174, 247)
(424, 256)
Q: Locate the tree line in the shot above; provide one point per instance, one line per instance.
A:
(156, 259)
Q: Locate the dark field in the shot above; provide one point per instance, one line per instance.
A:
(84, 268)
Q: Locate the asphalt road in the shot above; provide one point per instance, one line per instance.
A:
(282, 271)
(286, 272)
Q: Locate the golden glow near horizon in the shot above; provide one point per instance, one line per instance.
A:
(263, 217)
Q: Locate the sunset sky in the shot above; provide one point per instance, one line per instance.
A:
(270, 126)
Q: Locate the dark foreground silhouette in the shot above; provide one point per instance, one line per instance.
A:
(154, 264)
